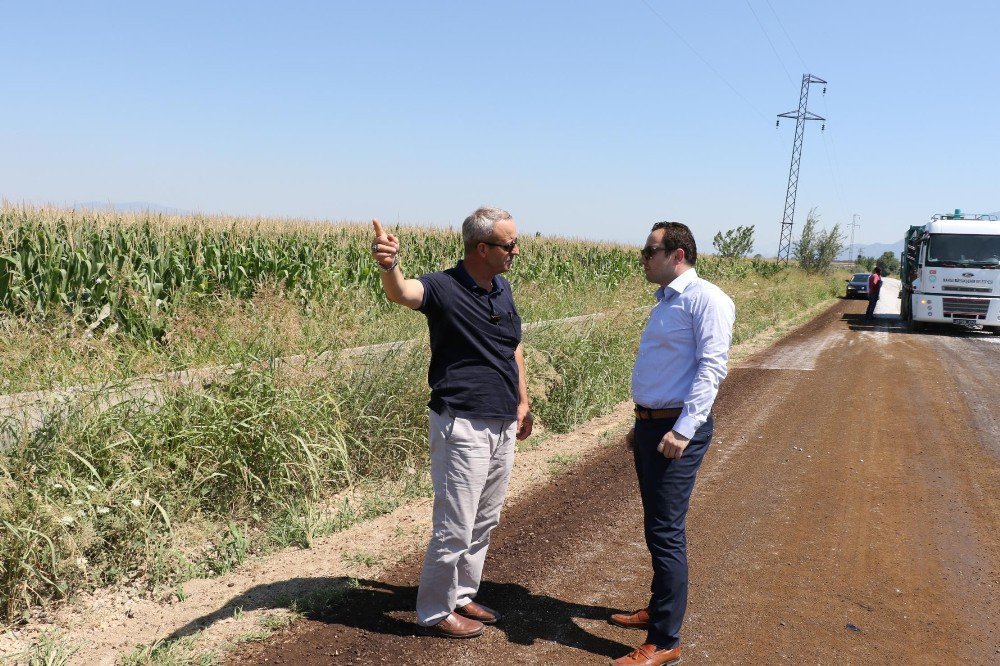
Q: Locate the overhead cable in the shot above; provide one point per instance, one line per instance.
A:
(787, 36)
(703, 60)
(768, 38)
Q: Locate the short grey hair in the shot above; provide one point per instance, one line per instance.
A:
(478, 227)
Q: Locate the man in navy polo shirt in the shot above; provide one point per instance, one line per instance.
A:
(478, 405)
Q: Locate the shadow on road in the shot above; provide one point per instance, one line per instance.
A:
(382, 608)
(890, 323)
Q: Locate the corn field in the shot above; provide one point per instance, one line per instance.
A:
(125, 271)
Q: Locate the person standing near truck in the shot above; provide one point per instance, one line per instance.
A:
(874, 288)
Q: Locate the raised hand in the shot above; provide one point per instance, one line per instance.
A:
(385, 247)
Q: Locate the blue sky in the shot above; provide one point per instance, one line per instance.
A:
(587, 118)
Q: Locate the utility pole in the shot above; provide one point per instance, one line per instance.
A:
(801, 116)
(854, 224)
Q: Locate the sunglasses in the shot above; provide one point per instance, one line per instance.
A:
(506, 247)
(648, 251)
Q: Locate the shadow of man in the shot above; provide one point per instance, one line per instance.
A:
(537, 617)
(881, 322)
(387, 609)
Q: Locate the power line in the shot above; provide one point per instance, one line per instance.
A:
(833, 152)
(768, 38)
(787, 36)
(838, 187)
(703, 60)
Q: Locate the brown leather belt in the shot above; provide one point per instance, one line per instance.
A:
(645, 414)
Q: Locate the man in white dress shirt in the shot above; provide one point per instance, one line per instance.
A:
(682, 360)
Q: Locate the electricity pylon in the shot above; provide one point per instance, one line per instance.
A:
(801, 116)
(854, 225)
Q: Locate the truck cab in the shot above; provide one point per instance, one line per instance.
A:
(950, 272)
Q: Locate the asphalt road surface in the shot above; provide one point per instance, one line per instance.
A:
(848, 512)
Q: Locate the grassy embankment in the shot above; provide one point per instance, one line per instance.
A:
(254, 461)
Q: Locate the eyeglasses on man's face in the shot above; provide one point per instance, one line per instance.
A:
(506, 247)
(648, 251)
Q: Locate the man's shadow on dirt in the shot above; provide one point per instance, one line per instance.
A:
(890, 323)
(893, 323)
(383, 608)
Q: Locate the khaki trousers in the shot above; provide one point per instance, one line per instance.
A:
(471, 461)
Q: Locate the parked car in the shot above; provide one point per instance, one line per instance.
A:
(857, 286)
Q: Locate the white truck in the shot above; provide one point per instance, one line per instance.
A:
(950, 272)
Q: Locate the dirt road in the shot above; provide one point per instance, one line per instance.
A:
(847, 512)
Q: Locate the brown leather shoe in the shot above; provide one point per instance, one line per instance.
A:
(637, 620)
(456, 626)
(479, 612)
(648, 655)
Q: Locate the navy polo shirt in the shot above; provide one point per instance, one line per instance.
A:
(474, 332)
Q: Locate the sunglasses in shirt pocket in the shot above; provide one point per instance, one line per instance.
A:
(510, 323)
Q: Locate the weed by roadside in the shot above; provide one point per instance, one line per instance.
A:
(49, 651)
(180, 652)
(560, 462)
(360, 558)
(538, 437)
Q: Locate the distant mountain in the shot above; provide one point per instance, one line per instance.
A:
(872, 250)
(129, 207)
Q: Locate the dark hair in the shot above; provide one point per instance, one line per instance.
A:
(878, 269)
(677, 236)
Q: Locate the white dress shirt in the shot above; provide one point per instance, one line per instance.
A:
(684, 349)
